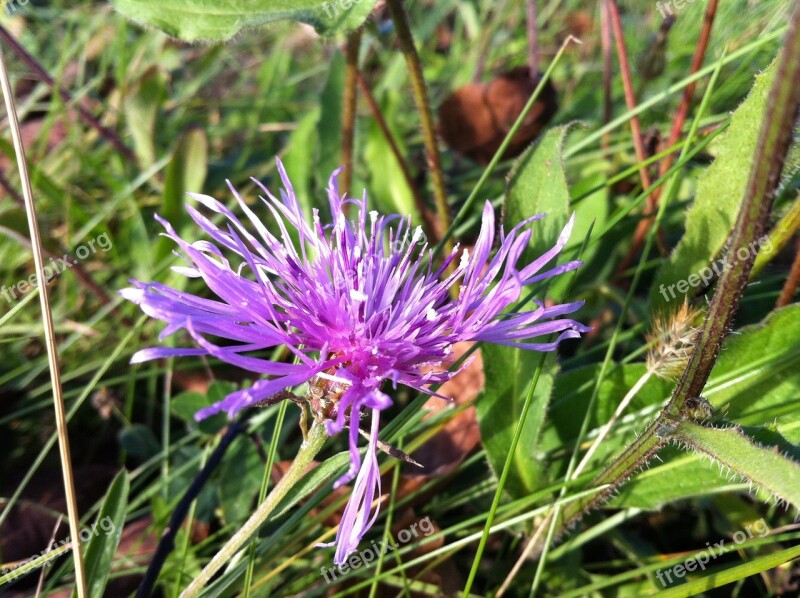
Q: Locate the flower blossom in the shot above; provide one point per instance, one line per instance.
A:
(358, 303)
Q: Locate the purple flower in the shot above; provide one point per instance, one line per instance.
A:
(357, 303)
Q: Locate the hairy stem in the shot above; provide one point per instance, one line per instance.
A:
(768, 161)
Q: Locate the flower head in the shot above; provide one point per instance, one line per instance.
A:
(359, 304)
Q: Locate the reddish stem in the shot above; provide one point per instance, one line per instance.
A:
(44, 77)
(429, 220)
(677, 127)
(789, 289)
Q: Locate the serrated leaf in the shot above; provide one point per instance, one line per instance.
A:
(104, 542)
(219, 20)
(719, 192)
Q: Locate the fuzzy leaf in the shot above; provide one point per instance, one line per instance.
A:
(537, 184)
(219, 20)
(719, 192)
(765, 467)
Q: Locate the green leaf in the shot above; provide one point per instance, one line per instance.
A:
(106, 533)
(719, 192)
(219, 20)
(508, 374)
(573, 390)
(299, 163)
(537, 184)
(719, 577)
(186, 172)
(754, 382)
(141, 108)
(239, 480)
(756, 379)
(186, 404)
(387, 186)
(765, 467)
(139, 441)
(676, 476)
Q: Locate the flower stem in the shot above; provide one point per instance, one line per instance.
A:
(418, 88)
(308, 450)
(349, 113)
(768, 161)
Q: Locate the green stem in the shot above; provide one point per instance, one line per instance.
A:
(308, 450)
(419, 90)
(773, 146)
(770, 155)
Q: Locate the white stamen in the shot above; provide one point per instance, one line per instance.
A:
(332, 378)
(431, 315)
(465, 258)
(357, 295)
